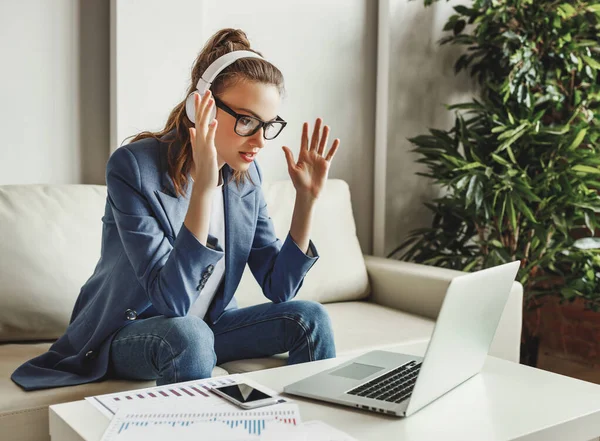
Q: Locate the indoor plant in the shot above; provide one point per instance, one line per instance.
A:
(520, 168)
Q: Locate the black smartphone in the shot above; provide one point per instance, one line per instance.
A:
(244, 395)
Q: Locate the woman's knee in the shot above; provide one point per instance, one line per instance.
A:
(191, 340)
(312, 312)
(315, 326)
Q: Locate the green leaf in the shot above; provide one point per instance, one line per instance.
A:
(588, 222)
(568, 293)
(586, 169)
(471, 189)
(478, 194)
(470, 166)
(501, 218)
(519, 131)
(462, 10)
(470, 266)
(591, 62)
(511, 155)
(524, 209)
(578, 139)
(587, 243)
(511, 214)
(459, 26)
(567, 10)
(500, 159)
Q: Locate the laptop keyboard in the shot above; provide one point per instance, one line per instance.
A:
(394, 386)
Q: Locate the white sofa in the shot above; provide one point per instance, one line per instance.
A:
(373, 302)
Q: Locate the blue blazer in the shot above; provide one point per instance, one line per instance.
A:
(151, 264)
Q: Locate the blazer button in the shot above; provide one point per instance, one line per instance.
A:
(130, 314)
(90, 354)
(210, 269)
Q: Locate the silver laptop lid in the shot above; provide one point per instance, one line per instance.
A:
(464, 331)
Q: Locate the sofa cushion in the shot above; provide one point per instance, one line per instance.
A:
(358, 327)
(24, 415)
(15, 399)
(51, 239)
(340, 273)
(50, 245)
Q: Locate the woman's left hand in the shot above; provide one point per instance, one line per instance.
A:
(309, 174)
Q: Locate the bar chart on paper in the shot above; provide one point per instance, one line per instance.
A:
(142, 423)
(109, 404)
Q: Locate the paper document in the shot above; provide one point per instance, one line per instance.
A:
(109, 404)
(150, 421)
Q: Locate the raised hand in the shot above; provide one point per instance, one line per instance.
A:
(309, 173)
(205, 171)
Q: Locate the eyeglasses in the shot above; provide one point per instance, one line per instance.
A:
(246, 125)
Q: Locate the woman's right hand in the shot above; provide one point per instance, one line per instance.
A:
(205, 170)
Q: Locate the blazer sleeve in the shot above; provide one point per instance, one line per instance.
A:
(170, 274)
(278, 268)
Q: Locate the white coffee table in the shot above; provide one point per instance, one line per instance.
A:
(507, 401)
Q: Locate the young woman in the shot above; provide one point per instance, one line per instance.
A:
(184, 214)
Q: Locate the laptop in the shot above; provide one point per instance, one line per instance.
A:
(400, 384)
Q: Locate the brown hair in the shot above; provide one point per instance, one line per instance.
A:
(244, 69)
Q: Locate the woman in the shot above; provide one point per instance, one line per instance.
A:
(184, 214)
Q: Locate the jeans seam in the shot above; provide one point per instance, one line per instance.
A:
(293, 319)
(162, 340)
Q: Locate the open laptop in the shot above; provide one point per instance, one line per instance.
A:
(400, 384)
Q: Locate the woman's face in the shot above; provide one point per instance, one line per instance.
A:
(246, 98)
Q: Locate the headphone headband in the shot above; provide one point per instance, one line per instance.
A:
(221, 63)
(209, 76)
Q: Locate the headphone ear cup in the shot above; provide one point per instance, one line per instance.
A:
(190, 108)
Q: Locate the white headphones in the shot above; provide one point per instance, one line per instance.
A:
(208, 77)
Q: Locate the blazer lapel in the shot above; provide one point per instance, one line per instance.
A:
(239, 207)
(175, 206)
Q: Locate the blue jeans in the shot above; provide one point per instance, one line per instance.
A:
(170, 350)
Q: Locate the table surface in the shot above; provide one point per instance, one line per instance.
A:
(506, 401)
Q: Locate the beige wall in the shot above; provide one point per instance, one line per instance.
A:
(421, 82)
(53, 91)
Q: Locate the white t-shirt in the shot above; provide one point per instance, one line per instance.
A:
(217, 229)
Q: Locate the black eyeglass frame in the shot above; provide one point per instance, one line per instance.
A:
(221, 105)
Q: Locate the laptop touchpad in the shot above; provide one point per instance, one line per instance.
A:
(356, 371)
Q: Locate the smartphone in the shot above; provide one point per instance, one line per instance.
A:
(245, 396)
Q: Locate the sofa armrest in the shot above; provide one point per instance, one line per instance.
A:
(419, 289)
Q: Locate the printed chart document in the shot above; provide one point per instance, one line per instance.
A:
(190, 411)
(199, 390)
(160, 420)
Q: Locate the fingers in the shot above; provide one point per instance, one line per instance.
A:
(193, 136)
(318, 142)
(206, 111)
(315, 136)
(201, 103)
(323, 142)
(289, 156)
(304, 140)
(333, 149)
(212, 129)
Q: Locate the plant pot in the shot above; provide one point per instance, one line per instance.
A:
(567, 330)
